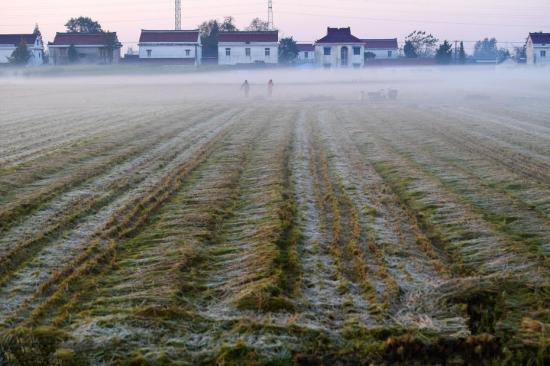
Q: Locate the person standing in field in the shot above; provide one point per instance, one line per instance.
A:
(270, 86)
(246, 88)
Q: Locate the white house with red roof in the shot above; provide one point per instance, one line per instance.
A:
(236, 48)
(9, 42)
(339, 48)
(538, 49)
(170, 46)
(91, 48)
(381, 49)
(306, 53)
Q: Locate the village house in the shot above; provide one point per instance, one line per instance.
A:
(9, 42)
(306, 53)
(538, 49)
(170, 46)
(381, 49)
(339, 48)
(91, 48)
(235, 48)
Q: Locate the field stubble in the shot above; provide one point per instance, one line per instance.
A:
(281, 231)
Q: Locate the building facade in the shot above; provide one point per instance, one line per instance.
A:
(9, 42)
(240, 48)
(306, 53)
(538, 49)
(91, 48)
(381, 49)
(170, 46)
(340, 49)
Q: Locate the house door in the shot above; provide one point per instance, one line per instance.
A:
(344, 56)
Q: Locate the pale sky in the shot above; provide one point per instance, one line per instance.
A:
(305, 20)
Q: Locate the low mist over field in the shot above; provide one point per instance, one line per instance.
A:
(378, 216)
(423, 84)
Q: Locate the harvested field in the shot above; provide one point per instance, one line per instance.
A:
(168, 221)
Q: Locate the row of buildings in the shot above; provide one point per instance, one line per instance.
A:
(338, 48)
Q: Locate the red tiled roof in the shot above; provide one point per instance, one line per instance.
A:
(15, 39)
(339, 35)
(181, 36)
(80, 39)
(305, 47)
(380, 43)
(265, 36)
(540, 38)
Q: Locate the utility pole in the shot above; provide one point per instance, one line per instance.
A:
(270, 14)
(178, 15)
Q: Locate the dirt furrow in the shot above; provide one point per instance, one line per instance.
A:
(466, 235)
(63, 214)
(323, 305)
(165, 251)
(512, 216)
(27, 198)
(46, 263)
(393, 239)
(19, 151)
(356, 285)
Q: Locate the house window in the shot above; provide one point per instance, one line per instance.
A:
(228, 51)
(306, 54)
(149, 52)
(327, 51)
(389, 53)
(268, 52)
(356, 51)
(247, 52)
(187, 52)
(542, 53)
(356, 66)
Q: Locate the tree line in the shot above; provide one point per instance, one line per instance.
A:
(420, 44)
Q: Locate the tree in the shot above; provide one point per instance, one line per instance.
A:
(370, 56)
(288, 50)
(228, 25)
(503, 54)
(444, 54)
(461, 54)
(486, 49)
(209, 34)
(520, 54)
(36, 30)
(409, 50)
(83, 25)
(72, 54)
(422, 43)
(20, 55)
(258, 25)
(111, 44)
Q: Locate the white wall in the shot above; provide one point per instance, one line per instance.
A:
(333, 60)
(36, 50)
(5, 52)
(382, 54)
(169, 51)
(238, 53)
(302, 56)
(87, 55)
(534, 56)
